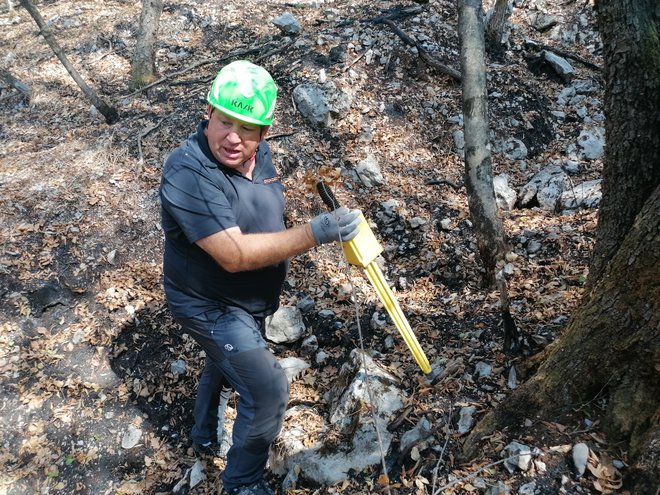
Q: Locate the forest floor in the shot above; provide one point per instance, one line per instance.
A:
(86, 341)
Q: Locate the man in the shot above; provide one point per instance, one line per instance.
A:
(226, 252)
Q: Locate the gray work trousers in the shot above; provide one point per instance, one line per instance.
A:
(238, 356)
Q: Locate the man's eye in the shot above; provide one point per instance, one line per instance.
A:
(249, 129)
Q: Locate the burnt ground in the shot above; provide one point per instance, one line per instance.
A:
(86, 341)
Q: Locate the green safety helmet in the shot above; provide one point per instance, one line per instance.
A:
(244, 91)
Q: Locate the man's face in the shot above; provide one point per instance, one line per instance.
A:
(231, 141)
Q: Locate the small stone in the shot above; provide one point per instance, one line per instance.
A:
(445, 223)
(580, 457)
(131, 437)
(417, 222)
(466, 419)
(533, 246)
(287, 23)
(178, 367)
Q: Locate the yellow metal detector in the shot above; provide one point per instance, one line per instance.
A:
(362, 251)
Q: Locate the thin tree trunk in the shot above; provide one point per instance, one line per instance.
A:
(143, 68)
(630, 32)
(108, 112)
(478, 170)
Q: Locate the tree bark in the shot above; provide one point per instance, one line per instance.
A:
(108, 112)
(478, 169)
(630, 33)
(497, 23)
(143, 68)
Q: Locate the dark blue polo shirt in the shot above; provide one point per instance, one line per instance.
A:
(200, 197)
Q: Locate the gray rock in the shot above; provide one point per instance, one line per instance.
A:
(592, 143)
(417, 222)
(306, 303)
(178, 367)
(378, 321)
(349, 419)
(520, 456)
(338, 54)
(321, 357)
(131, 437)
(292, 367)
(546, 187)
(309, 345)
(368, 171)
(512, 380)
(418, 434)
(542, 21)
(515, 149)
(466, 419)
(459, 141)
(288, 24)
(585, 195)
(499, 488)
(285, 326)
(533, 246)
(584, 86)
(320, 104)
(560, 65)
(565, 95)
(483, 370)
(504, 195)
(193, 476)
(527, 488)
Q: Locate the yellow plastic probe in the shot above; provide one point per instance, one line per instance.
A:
(362, 251)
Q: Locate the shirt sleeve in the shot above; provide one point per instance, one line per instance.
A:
(197, 205)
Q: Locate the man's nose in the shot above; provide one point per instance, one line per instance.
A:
(234, 136)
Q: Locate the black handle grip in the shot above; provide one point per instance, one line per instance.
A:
(326, 195)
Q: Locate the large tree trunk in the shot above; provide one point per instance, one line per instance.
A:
(630, 33)
(143, 68)
(108, 112)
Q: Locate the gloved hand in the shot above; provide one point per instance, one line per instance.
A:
(327, 227)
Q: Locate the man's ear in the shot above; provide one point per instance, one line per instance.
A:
(209, 111)
(264, 132)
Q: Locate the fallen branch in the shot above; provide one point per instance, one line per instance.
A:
(14, 83)
(390, 15)
(438, 182)
(563, 53)
(423, 53)
(111, 115)
(280, 135)
(274, 51)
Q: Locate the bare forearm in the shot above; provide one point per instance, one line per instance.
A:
(237, 252)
